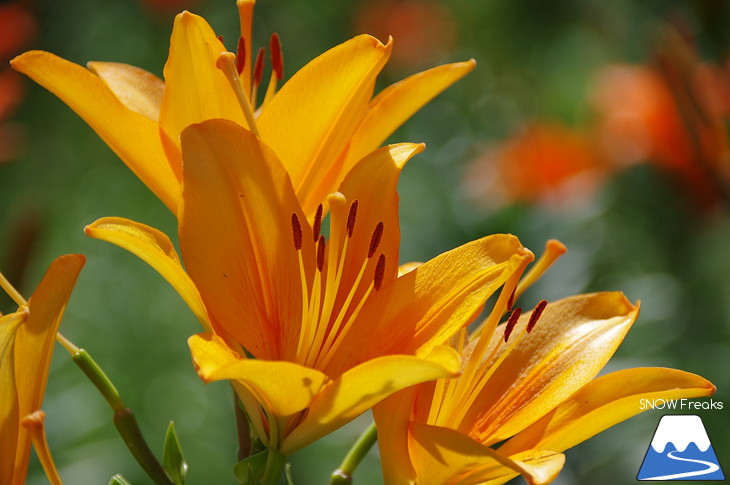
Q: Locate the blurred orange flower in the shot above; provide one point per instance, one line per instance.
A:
(18, 27)
(425, 30)
(546, 162)
(671, 114)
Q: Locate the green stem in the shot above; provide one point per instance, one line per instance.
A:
(275, 464)
(343, 475)
(124, 419)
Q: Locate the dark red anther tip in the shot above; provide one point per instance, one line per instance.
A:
(351, 218)
(240, 55)
(514, 316)
(535, 315)
(277, 60)
(296, 229)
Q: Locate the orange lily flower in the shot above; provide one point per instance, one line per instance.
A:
(546, 162)
(319, 124)
(26, 344)
(332, 328)
(528, 384)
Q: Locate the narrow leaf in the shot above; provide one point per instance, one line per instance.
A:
(172, 458)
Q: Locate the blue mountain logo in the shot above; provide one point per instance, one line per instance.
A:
(680, 450)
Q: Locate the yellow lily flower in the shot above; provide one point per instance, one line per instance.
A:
(26, 344)
(319, 124)
(332, 327)
(528, 384)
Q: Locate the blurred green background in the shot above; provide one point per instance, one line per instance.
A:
(639, 231)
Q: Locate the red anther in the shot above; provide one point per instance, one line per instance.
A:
(296, 229)
(241, 55)
(351, 218)
(258, 67)
(277, 60)
(320, 253)
(317, 222)
(220, 38)
(535, 316)
(511, 301)
(375, 239)
(379, 272)
(514, 316)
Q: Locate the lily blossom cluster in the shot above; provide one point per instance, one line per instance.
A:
(27, 337)
(289, 238)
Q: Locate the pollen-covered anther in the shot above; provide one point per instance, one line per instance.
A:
(320, 253)
(296, 229)
(277, 60)
(379, 272)
(511, 301)
(258, 67)
(535, 315)
(514, 316)
(375, 239)
(351, 218)
(317, 227)
(240, 55)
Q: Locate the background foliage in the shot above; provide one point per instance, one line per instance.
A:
(638, 232)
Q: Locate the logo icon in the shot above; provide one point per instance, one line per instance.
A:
(680, 450)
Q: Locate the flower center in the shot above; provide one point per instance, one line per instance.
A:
(453, 398)
(331, 297)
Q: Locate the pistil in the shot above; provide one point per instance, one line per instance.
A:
(226, 62)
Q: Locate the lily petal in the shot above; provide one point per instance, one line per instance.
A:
(154, 248)
(195, 89)
(445, 456)
(282, 387)
(310, 120)
(363, 386)
(242, 259)
(606, 401)
(398, 102)
(115, 123)
(425, 307)
(9, 419)
(139, 90)
(393, 420)
(35, 339)
(570, 344)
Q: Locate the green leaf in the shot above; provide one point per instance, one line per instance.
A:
(172, 458)
(118, 480)
(249, 471)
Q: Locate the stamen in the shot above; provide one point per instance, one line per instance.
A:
(226, 62)
(258, 68)
(277, 60)
(240, 55)
(536, 314)
(379, 272)
(220, 38)
(320, 253)
(513, 318)
(12, 292)
(375, 239)
(317, 222)
(511, 302)
(296, 229)
(351, 218)
(258, 71)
